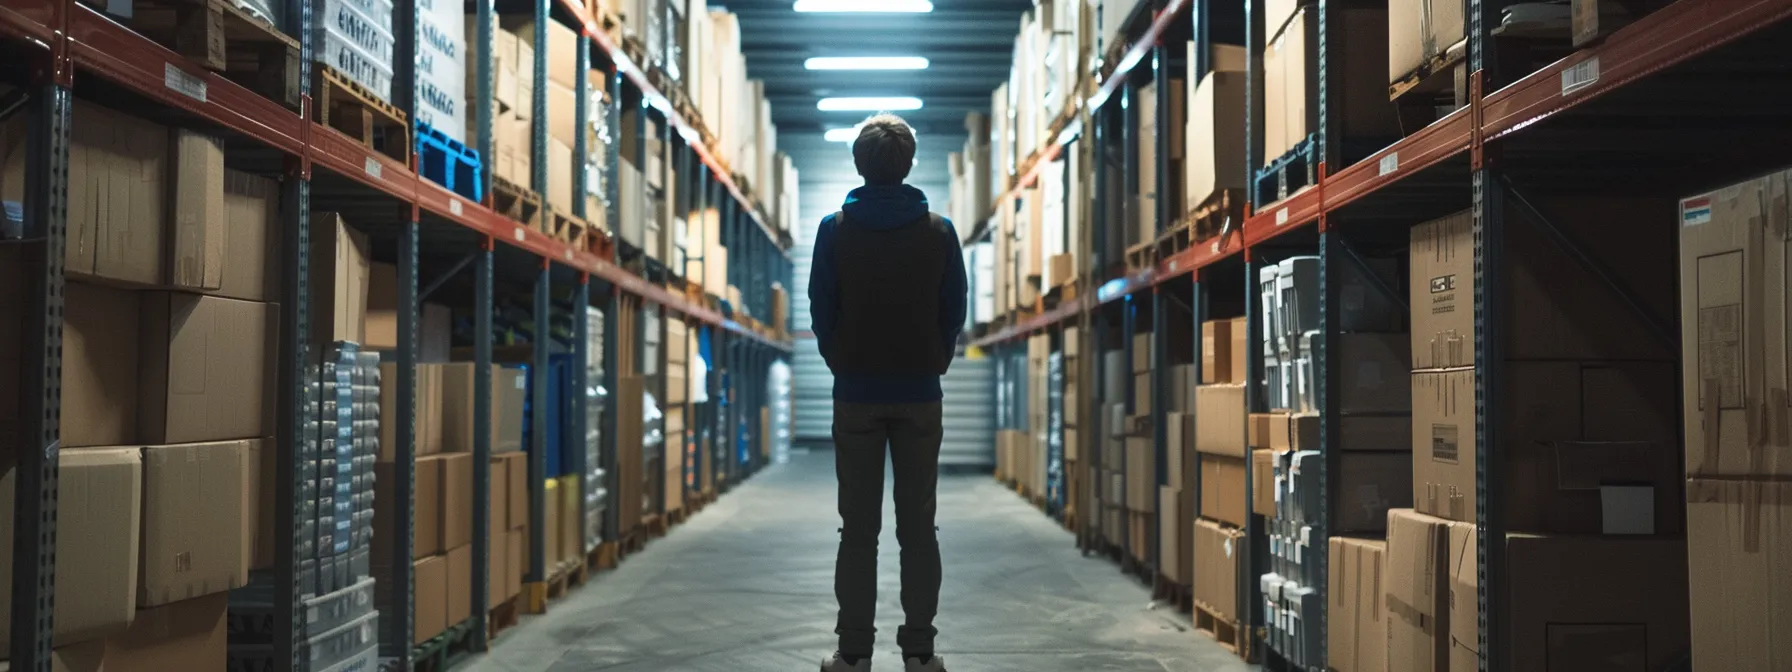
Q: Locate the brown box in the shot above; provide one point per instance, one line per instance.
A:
(497, 569)
(457, 400)
(339, 280)
(1368, 484)
(1371, 373)
(1594, 603)
(1733, 324)
(1216, 352)
(456, 499)
(1216, 148)
(1220, 420)
(1141, 393)
(428, 411)
(380, 324)
(551, 525)
(251, 250)
(1356, 615)
(1418, 592)
(518, 545)
(429, 581)
(571, 531)
(97, 525)
(1141, 351)
(101, 402)
(562, 46)
(1576, 441)
(196, 218)
(1419, 30)
(426, 516)
(1179, 449)
(561, 108)
(1263, 482)
(1141, 474)
(559, 191)
(1260, 428)
(1218, 550)
(459, 581)
(1738, 539)
(186, 635)
(1442, 292)
(1063, 269)
(500, 495)
(509, 389)
(1173, 539)
(118, 197)
(517, 467)
(1222, 489)
(207, 368)
(193, 525)
(1290, 87)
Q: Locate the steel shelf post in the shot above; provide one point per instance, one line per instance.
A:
(1160, 368)
(1256, 561)
(538, 148)
(482, 438)
(40, 392)
(1254, 94)
(607, 443)
(397, 641)
(536, 576)
(1490, 326)
(484, 93)
(1129, 327)
(1330, 402)
(1197, 312)
(295, 330)
(581, 130)
(580, 420)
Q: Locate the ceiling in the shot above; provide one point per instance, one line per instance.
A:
(970, 45)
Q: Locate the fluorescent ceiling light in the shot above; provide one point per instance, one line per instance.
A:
(843, 134)
(884, 6)
(868, 104)
(866, 63)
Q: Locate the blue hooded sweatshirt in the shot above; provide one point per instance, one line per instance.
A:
(883, 207)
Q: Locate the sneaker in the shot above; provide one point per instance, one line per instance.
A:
(835, 663)
(935, 664)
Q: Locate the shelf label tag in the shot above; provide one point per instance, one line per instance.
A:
(567, 254)
(183, 83)
(454, 206)
(1173, 265)
(518, 234)
(1389, 164)
(1281, 216)
(372, 167)
(1581, 75)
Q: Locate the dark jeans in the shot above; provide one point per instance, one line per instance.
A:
(912, 432)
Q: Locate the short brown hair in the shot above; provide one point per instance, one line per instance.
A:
(885, 150)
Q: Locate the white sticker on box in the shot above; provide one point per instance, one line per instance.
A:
(183, 83)
(1695, 211)
(1388, 164)
(372, 168)
(1228, 546)
(518, 234)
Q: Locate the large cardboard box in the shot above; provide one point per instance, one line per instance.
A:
(426, 515)
(560, 180)
(1173, 539)
(1218, 551)
(459, 571)
(380, 322)
(551, 524)
(1179, 449)
(1367, 486)
(208, 366)
(1418, 592)
(517, 468)
(571, 531)
(339, 277)
(458, 399)
(1372, 373)
(97, 528)
(1546, 322)
(101, 362)
(197, 254)
(1738, 536)
(1141, 473)
(1587, 448)
(562, 108)
(1356, 615)
(1733, 324)
(1264, 493)
(1220, 420)
(118, 197)
(1590, 603)
(428, 404)
(1419, 30)
(186, 635)
(1290, 85)
(562, 46)
(1216, 148)
(1222, 358)
(456, 499)
(250, 226)
(193, 521)
(517, 546)
(1222, 489)
(429, 586)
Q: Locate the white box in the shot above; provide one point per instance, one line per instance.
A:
(355, 38)
(442, 67)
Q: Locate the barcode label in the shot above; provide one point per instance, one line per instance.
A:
(183, 83)
(1389, 163)
(454, 206)
(372, 167)
(1580, 75)
(1281, 216)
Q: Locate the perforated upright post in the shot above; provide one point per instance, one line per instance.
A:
(398, 626)
(482, 439)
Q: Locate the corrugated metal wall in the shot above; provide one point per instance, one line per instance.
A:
(970, 388)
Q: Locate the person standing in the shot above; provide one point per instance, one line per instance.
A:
(887, 298)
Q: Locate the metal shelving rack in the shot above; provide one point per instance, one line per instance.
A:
(1569, 125)
(58, 42)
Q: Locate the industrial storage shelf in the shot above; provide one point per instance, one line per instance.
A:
(1673, 35)
(94, 44)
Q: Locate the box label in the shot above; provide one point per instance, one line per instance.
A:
(1444, 443)
(1695, 211)
(1580, 75)
(183, 83)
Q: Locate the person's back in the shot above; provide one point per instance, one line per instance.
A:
(887, 298)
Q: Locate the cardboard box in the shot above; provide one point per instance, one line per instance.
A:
(1220, 420)
(101, 362)
(1290, 98)
(562, 46)
(510, 388)
(1222, 489)
(428, 404)
(118, 197)
(1737, 540)
(1141, 474)
(1215, 147)
(517, 467)
(426, 515)
(1419, 30)
(196, 217)
(517, 545)
(1276, 14)
(1063, 270)
(207, 368)
(1173, 540)
(1733, 324)
(98, 523)
(456, 499)
(1263, 482)
(1141, 393)
(380, 324)
(1179, 449)
(1372, 373)
(1367, 486)
(562, 106)
(193, 509)
(1442, 257)
(429, 581)
(339, 280)
(260, 468)
(1357, 619)
(1260, 427)
(459, 571)
(1141, 351)
(1218, 552)
(458, 399)
(1591, 603)
(1216, 353)
(499, 492)
(497, 568)
(186, 635)
(571, 530)
(551, 523)
(1577, 442)
(1418, 592)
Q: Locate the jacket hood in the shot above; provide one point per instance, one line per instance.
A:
(885, 207)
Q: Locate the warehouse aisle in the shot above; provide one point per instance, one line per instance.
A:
(747, 586)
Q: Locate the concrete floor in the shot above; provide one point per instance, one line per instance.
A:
(747, 586)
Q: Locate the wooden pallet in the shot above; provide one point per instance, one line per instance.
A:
(1222, 214)
(676, 517)
(1435, 74)
(440, 652)
(1141, 256)
(568, 575)
(635, 50)
(602, 558)
(502, 617)
(1178, 595)
(346, 106)
(606, 20)
(516, 203)
(564, 227)
(1222, 630)
(222, 38)
(655, 525)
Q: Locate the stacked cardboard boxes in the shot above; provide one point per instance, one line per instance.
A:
(1072, 436)
(1110, 479)
(674, 424)
(1733, 301)
(1219, 441)
(168, 350)
(1039, 426)
(1214, 147)
(513, 100)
